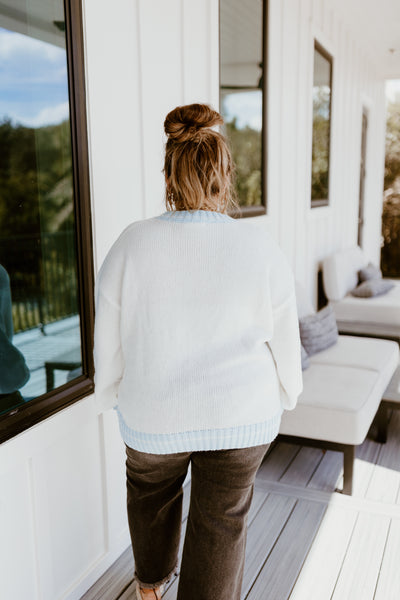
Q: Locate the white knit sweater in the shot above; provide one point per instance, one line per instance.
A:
(196, 336)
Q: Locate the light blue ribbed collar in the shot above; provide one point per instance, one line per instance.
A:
(195, 216)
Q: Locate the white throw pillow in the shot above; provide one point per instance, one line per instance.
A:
(340, 272)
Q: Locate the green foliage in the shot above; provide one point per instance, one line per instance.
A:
(35, 179)
(246, 146)
(392, 157)
(37, 221)
(390, 254)
(320, 144)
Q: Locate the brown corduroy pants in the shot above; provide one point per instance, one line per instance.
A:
(222, 483)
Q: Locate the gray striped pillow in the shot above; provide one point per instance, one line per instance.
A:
(318, 331)
(371, 271)
(372, 287)
(305, 362)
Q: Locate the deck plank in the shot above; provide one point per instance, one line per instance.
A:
(366, 457)
(319, 574)
(277, 461)
(359, 575)
(385, 481)
(170, 593)
(388, 587)
(186, 501)
(263, 534)
(328, 473)
(280, 571)
(302, 468)
(259, 497)
(129, 593)
(117, 577)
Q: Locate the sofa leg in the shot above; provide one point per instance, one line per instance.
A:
(382, 423)
(348, 469)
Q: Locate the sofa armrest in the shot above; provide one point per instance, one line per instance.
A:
(340, 272)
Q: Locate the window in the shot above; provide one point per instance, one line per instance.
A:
(46, 272)
(322, 99)
(242, 96)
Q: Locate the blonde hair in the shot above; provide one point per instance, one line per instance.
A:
(198, 164)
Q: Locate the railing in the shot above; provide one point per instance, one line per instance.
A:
(43, 278)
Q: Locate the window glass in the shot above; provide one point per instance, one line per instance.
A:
(321, 127)
(241, 92)
(40, 340)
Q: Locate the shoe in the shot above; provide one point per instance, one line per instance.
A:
(150, 595)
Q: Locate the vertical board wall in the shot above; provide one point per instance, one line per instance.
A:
(62, 483)
(308, 235)
(62, 488)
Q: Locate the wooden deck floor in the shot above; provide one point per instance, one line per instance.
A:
(307, 541)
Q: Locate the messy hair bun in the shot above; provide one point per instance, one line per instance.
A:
(186, 122)
(198, 165)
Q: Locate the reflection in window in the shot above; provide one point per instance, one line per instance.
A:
(322, 92)
(37, 223)
(241, 93)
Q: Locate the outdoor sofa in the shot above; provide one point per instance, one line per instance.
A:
(377, 316)
(342, 390)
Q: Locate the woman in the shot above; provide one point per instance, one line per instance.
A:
(14, 372)
(197, 343)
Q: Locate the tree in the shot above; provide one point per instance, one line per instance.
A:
(245, 144)
(37, 220)
(392, 154)
(390, 254)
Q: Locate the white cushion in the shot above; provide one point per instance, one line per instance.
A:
(383, 309)
(366, 353)
(340, 272)
(342, 391)
(337, 404)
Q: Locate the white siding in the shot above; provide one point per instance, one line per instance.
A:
(308, 235)
(62, 499)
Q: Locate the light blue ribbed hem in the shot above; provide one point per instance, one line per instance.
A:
(244, 436)
(195, 216)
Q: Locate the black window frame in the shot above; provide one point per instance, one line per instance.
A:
(328, 56)
(255, 211)
(20, 418)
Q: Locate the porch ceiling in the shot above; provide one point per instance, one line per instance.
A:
(36, 19)
(376, 25)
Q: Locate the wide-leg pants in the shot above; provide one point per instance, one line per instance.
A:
(222, 483)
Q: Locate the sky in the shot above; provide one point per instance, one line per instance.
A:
(33, 76)
(246, 106)
(393, 90)
(34, 89)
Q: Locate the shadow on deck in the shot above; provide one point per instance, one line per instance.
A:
(305, 540)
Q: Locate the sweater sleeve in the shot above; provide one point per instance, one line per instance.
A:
(285, 341)
(6, 323)
(108, 358)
